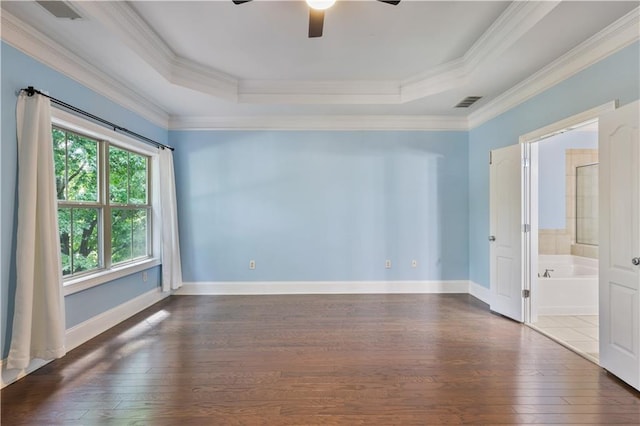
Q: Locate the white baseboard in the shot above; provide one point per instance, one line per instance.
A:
(480, 292)
(87, 330)
(321, 287)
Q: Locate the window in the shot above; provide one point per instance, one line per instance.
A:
(79, 206)
(128, 206)
(105, 209)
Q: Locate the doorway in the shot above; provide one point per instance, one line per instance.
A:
(565, 305)
(560, 250)
(618, 234)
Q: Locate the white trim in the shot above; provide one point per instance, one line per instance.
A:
(47, 51)
(480, 292)
(564, 124)
(123, 20)
(327, 122)
(518, 19)
(610, 40)
(87, 330)
(615, 37)
(73, 122)
(440, 79)
(194, 76)
(82, 283)
(305, 98)
(530, 190)
(321, 287)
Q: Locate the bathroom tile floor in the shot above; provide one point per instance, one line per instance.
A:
(578, 332)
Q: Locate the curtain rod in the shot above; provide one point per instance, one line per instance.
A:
(31, 91)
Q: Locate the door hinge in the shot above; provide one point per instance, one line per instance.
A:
(525, 162)
(490, 157)
(526, 294)
(526, 227)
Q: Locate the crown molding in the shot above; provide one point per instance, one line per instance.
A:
(319, 92)
(513, 23)
(336, 122)
(615, 37)
(35, 44)
(195, 76)
(442, 78)
(122, 20)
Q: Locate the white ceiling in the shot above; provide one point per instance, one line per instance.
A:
(362, 40)
(420, 58)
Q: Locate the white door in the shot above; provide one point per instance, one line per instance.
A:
(506, 232)
(620, 243)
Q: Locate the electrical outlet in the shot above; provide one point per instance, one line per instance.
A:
(252, 264)
(414, 263)
(145, 277)
(387, 264)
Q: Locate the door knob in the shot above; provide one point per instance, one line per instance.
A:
(492, 238)
(636, 261)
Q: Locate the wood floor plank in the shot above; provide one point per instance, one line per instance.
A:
(319, 359)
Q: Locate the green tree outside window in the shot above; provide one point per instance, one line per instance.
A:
(84, 217)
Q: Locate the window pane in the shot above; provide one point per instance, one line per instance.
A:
(64, 224)
(137, 179)
(85, 239)
(139, 223)
(82, 172)
(120, 235)
(59, 159)
(118, 175)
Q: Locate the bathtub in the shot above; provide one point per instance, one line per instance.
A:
(572, 288)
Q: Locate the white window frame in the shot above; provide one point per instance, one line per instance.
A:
(74, 284)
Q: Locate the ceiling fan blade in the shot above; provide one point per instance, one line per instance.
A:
(316, 21)
(393, 2)
(240, 1)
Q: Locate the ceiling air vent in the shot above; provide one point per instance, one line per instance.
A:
(468, 101)
(59, 9)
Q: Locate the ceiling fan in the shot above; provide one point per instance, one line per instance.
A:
(316, 13)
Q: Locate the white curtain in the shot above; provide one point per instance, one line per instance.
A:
(38, 319)
(171, 266)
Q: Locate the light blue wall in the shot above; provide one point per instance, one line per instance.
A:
(322, 206)
(615, 77)
(312, 205)
(20, 70)
(552, 177)
(86, 304)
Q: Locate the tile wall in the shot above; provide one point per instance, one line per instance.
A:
(563, 241)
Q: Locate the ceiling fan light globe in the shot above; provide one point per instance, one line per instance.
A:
(320, 4)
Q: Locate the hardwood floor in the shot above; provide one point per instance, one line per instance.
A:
(319, 359)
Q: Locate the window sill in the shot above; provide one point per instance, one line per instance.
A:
(83, 283)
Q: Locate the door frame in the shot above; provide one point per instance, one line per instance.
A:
(530, 195)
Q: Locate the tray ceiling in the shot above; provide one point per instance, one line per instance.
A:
(216, 59)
